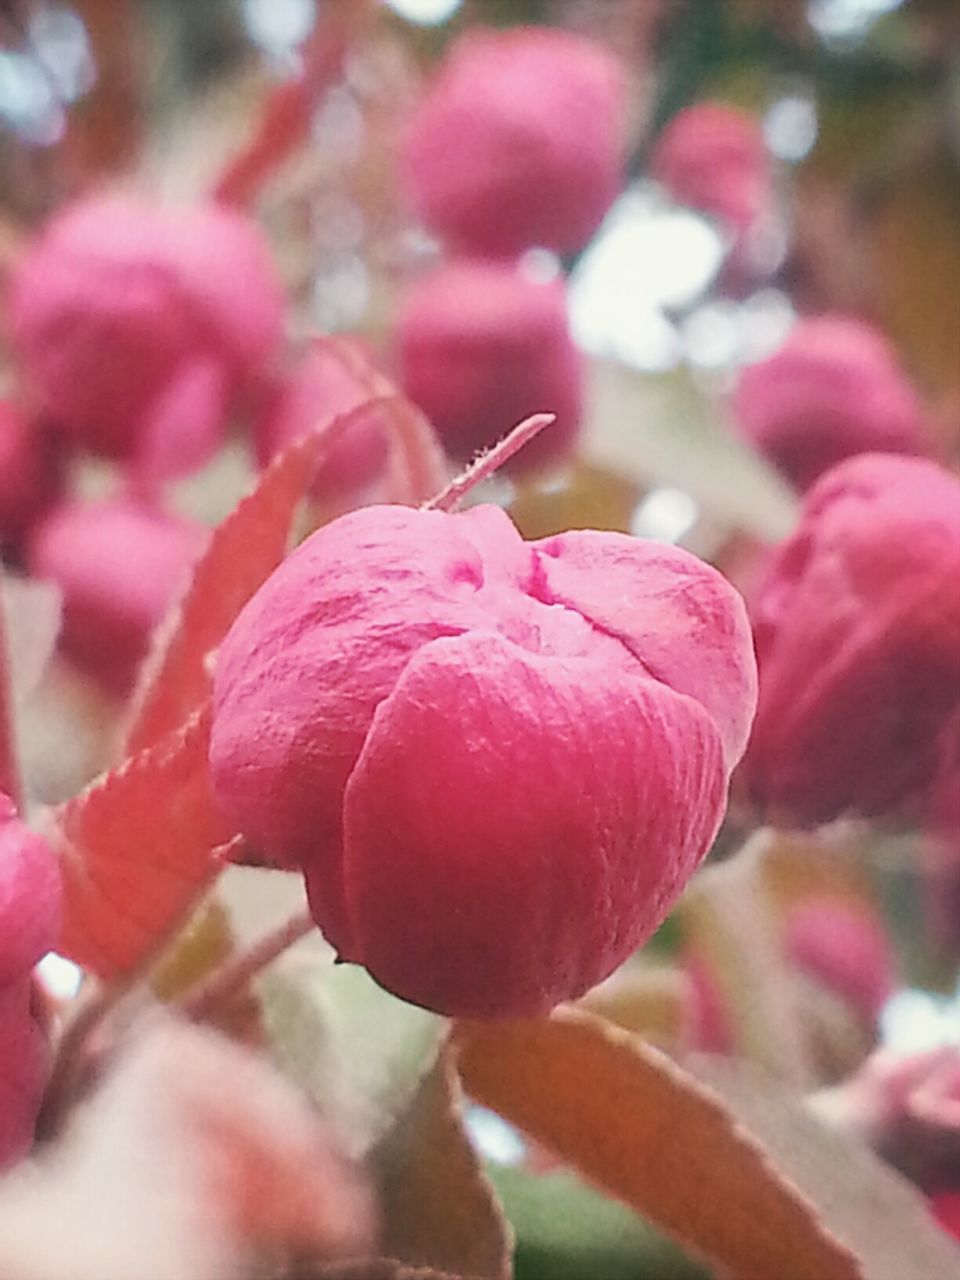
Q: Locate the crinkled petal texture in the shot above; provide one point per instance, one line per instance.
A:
(518, 143)
(834, 389)
(518, 824)
(29, 920)
(857, 629)
(454, 733)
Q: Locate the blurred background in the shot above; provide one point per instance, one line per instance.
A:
(778, 225)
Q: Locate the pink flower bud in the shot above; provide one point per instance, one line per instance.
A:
(835, 388)
(497, 762)
(480, 347)
(29, 920)
(138, 326)
(332, 378)
(31, 472)
(845, 951)
(838, 947)
(946, 1210)
(713, 158)
(518, 143)
(118, 564)
(857, 630)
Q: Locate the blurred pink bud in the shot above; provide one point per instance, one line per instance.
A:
(29, 921)
(138, 326)
(857, 631)
(482, 346)
(844, 950)
(497, 762)
(31, 472)
(518, 143)
(332, 378)
(119, 565)
(713, 158)
(840, 948)
(708, 1022)
(946, 1210)
(835, 388)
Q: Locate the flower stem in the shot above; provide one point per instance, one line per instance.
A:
(230, 979)
(487, 463)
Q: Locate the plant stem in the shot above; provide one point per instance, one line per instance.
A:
(487, 463)
(231, 978)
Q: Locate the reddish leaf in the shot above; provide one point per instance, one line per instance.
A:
(138, 848)
(191, 1159)
(287, 114)
(880, 1216)
(729, 917)
(439, 1209)
(246, 548)
(647, 1132)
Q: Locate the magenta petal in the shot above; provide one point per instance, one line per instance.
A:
(681, 619)
(29, 897)
(23, 1064)
(517, 825)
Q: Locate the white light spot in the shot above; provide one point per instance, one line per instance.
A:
(28, 99)
(494, 1138)
(765, 320)
(711, 335)
(279, 26)
(60, 41)
(790, 127)
(426, 13)
(847, 19)
(61, 977)
(916, 1021)
(647, 259)
(665, 515)
(541, 265)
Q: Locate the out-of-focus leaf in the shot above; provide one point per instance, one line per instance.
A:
(877, 1214)
(191, 1159)
(382, 1269)
(245, 549)
(67, 734)
(647, 1001)
(358, 1052)
(658, 431)
(32, 612)
(799, 865)
(731, 925)
(913, 266)
(566, 1231)
(438, 1206)
(104, 126)
(289, 108)
(647, 1132)
(204, 942)
(29, 623)
(137, 848)
(586, 498)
